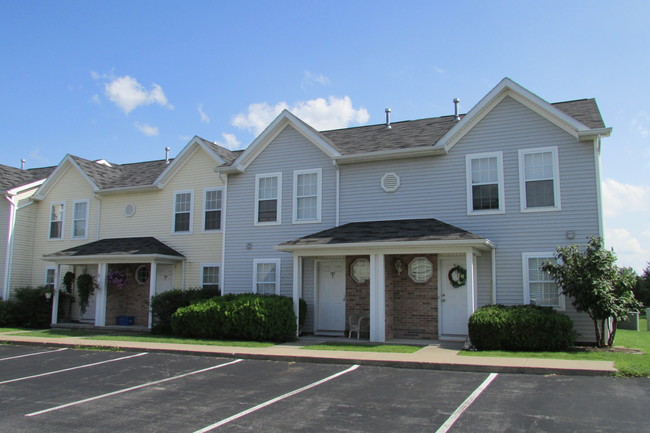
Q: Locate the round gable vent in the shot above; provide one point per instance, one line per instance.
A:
(390, 182)
(129, 210)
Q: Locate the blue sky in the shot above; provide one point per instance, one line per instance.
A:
(121, 80)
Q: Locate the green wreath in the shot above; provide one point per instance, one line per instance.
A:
(457, 276)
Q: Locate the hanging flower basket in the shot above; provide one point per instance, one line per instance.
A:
(117, 279)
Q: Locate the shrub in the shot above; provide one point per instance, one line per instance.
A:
(7, 316)
(163, 305)
(31, 309)
(238, 317)
(520, 328)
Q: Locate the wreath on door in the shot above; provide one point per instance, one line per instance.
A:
(457, 276)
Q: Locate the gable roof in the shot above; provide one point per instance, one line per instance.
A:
(12, 177)
(137, 246)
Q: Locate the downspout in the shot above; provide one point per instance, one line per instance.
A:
(10, 244)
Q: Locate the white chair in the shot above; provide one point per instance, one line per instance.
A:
(354, 324)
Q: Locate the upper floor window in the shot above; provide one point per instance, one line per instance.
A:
(268, 191)
(183, 201)
(266, 276)
(210, 276)
(307, 195)
(539, 287)
(80, 219)
(539, 179)
(212, 209)
(57, 214)
(484, 174)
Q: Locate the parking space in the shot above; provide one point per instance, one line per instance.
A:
(45, 389)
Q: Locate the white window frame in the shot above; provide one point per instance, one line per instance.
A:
(189, 231)
(278, 199)
(525, 268)
(500, 187)
(277, 263)
(49, 227)
(45, 279)
(86, 219)
(202, 275)
(205, 209)
(556, 179)
(319, 196)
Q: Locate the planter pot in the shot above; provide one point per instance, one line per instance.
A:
(124, 320)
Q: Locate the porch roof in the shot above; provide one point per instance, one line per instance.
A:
(120, 249)
(428, 231)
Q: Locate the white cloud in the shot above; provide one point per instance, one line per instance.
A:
(641, 124)
(149, 130)
(310, 78)
(621, 198)
(230, 142)
(128, 94)
(629, 250)
(204, 117)
(319, 113)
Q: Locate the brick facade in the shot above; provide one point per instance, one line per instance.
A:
(357, 298)
(133, 300)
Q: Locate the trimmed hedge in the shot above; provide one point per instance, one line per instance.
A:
(520, 328)
(164, 305)
(28, 308)
(238, 317)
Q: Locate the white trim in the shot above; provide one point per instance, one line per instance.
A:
(494, 275)
(319, 195)
(338, 194)
(526, 283)
(87, 219)
(205, 209)
(191, 225)
(100, 295)
(209, 265)
(11, 227)
(278, 198)
(49, 268)
(110, 258)
(377, 298)
(297, 289)
(183, 157)
(599, 192)
(556, 179)
(398, 247)
(468, 181)
(49, 227)
(277, 263)
(223, 231)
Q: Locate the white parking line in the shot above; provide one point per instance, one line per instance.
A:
(71, 368)
(464, 405)
(121, 391)
(274, 400)
(32, 354)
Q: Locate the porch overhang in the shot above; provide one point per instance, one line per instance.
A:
(118, 250)
(404, 247)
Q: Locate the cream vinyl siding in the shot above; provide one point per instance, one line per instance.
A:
(435, 187)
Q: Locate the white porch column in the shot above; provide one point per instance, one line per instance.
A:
(100, 296)
(470, 265)
(55, 295)
(297, 289)
(153, 276)
(377, 299)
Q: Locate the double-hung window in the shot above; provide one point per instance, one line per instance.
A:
(210, 276)
(80, 219)
(183, 203)
(266, 276)
(50, 277)
(484, 174)
(57, 215)
(539, 287)
(268, 192)
(539, 179)
(212, 205)
(307, 196)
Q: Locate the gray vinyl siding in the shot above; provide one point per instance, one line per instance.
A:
(289, 151)
(4, 240)
(435, 187)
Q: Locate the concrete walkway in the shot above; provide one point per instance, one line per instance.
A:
(435, 356)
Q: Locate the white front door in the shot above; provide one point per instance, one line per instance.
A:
(453, 300)
(164, 278)
(330, 290)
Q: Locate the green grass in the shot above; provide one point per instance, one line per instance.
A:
(628, 364)
(3, 330)
(177, 340)
(351, 347)
(60, 333)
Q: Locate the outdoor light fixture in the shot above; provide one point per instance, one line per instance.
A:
(399, 266)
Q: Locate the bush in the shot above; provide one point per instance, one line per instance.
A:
(520, 328)
(163, 305)
(28, 309)
(238, 317)
(7, 316)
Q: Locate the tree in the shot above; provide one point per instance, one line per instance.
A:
(595, 285)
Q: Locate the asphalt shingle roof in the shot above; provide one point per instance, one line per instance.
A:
(118, 247)
(412, 230)
(12, 177)
(124, 175)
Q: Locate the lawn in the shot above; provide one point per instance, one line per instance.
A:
(5, 330)
(628, 364)
(351, 347)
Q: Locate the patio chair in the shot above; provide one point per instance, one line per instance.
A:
(354, 324)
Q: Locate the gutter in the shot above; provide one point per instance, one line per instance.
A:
(390, 154)
(484, 244)
(591, 134)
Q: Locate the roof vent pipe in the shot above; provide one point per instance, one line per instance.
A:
(22, 164)
(456, 101)
(167, 149)
(387, 110)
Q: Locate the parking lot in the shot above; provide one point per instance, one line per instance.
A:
(46, 389)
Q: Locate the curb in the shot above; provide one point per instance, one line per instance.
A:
(441, 366)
